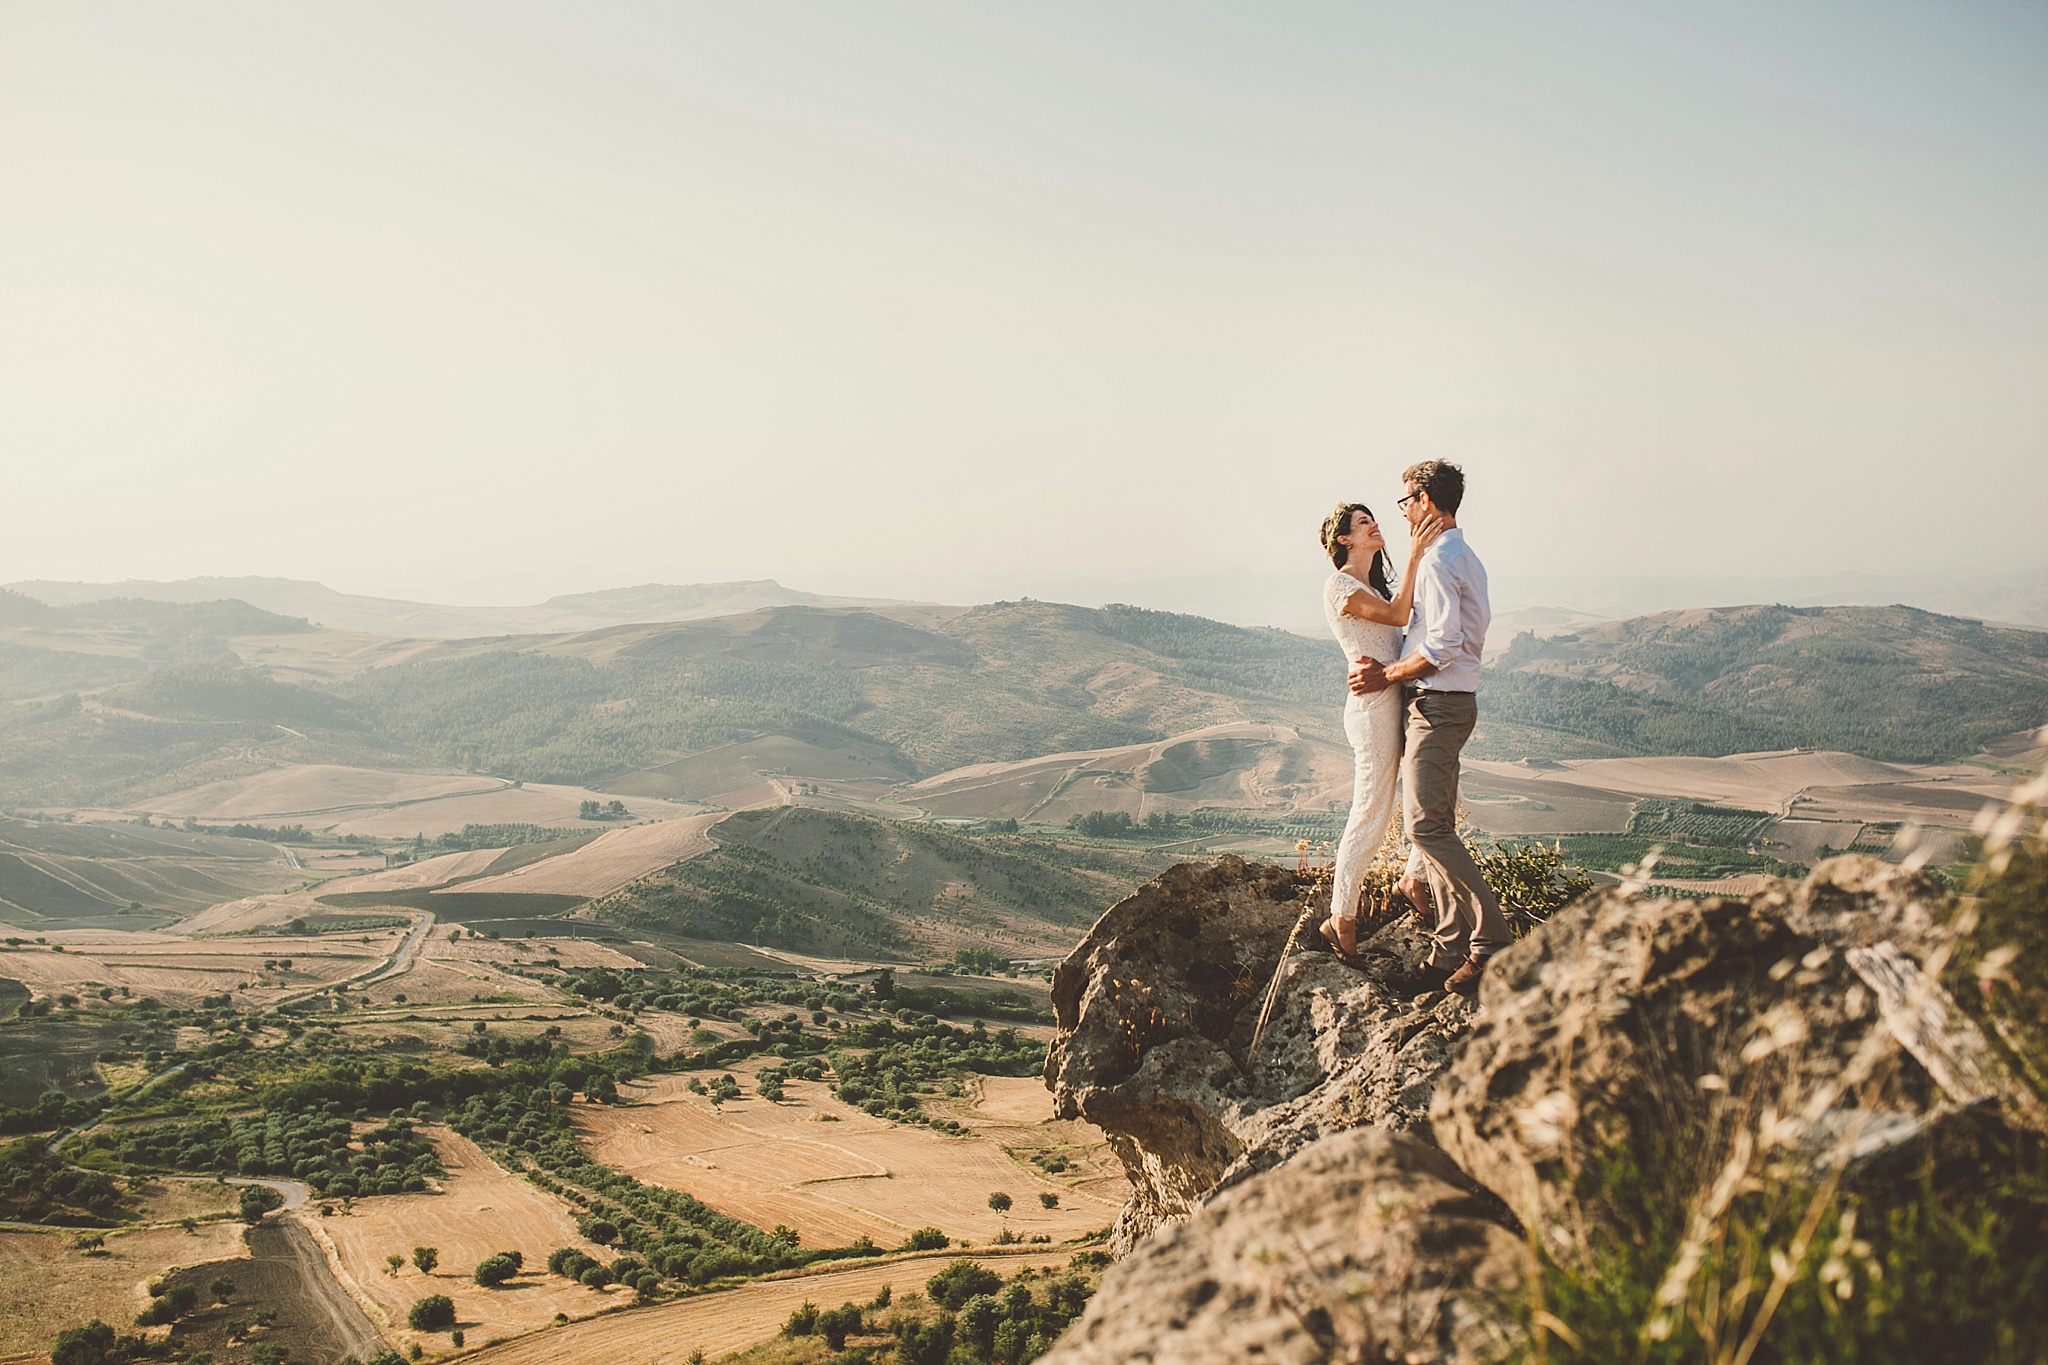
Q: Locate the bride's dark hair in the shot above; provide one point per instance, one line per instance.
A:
(1339, 523)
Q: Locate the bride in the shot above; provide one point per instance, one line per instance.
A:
(1367, 616)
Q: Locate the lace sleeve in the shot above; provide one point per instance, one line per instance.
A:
(1338, 591)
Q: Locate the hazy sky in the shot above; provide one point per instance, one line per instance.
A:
(496, 300)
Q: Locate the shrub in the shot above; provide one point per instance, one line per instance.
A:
(426, 1258)
(1048, 1200)
(958, 1283)
(839, 1324)
(493, 1271)
(258, 1200)
(978, 1317)
(434, 1313)
(927, 1239)
(569, 1263)
(268, 1353)
(803, 1321)
(94, 1344)
(926, 1343)
(169, 1306)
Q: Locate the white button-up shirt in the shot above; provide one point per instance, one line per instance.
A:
(1447, 625)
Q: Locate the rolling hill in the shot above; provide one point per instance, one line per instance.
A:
(123, 699)
(1890, 683)
(850, 885)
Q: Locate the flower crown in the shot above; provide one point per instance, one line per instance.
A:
(1334, 525)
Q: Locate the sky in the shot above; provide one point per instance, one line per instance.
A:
(485, 302)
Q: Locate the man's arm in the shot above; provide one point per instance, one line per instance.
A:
(1441, 627)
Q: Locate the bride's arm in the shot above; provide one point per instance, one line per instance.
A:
(1368, 606)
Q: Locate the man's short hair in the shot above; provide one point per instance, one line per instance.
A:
(1442, 480)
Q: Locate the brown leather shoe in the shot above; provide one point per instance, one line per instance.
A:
(1420, 980)
(1465, 980)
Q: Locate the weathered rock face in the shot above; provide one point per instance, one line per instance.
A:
(1627, 1024)
(1339, 1196)
(1368, 1246)
(1156, 1011)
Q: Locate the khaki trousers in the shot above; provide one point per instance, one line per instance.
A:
(1468, 918)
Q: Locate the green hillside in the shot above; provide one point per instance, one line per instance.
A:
(1889, 683)
(839, 884)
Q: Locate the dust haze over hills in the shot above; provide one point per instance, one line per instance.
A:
(115, 700)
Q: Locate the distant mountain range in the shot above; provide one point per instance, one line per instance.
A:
(1288, 601)
(129, 698)
(324, 606)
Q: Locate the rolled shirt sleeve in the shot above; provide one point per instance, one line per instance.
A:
(1448, 622)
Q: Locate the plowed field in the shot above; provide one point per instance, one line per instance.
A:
(827, 1169)
(608, 862)
(46, 1285)
(482, 1209)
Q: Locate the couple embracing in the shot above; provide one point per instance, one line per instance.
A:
(1414, 655)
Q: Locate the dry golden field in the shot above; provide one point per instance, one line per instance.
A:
(343, 800)
(1271, 762)
(609, 861)
(178, 971)
(830, 1171)
(303, 791)
(482, 1209)
(734, 1319)
(535, 803)
(46, 1285)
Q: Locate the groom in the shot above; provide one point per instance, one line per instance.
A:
(1438, 674)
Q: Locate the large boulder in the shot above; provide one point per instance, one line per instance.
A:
(1367, 1246)
(1156, 1011)
(1806, 1021)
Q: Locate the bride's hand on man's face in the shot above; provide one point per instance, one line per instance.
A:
(1426, 534)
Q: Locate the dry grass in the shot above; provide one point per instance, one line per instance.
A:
(734, 1319)
(167, 1200)
(536, 803)
(830, 1171)
(46, 1285)
(608, 862)
(178, 971)
(311, 789)
(482, 1209)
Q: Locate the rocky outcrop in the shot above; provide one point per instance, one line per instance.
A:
(1627, 1024)
(1156, 1010)
(1369, 1245)
(1358, 1189)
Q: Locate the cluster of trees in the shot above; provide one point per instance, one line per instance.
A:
(36, 1187)
(974, 1318)
(915, 1054)
(496, 836)
(1696, 822)
(313, 1144)
(54, 1110)
(609, 810)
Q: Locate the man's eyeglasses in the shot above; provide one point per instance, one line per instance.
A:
(1402, 503)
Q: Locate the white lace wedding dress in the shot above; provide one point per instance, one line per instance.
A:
(1373, 725)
